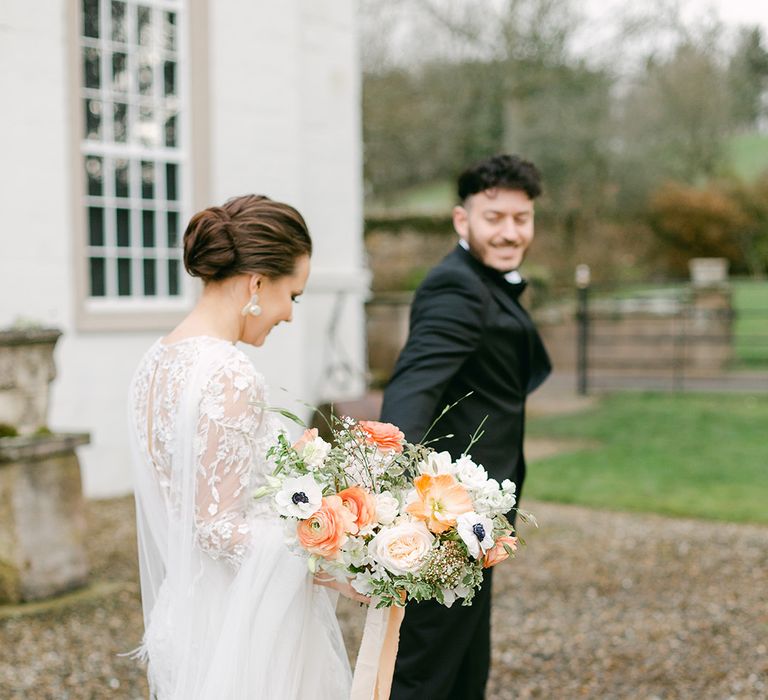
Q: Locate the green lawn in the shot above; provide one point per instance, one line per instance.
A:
(701, 456)
(750, 300)
(429, 198)
(748, 154)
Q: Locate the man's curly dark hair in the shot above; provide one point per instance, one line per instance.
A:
(507, 171)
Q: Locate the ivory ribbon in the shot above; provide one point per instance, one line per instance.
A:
(378, 649)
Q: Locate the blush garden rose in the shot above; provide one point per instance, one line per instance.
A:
(402, 548)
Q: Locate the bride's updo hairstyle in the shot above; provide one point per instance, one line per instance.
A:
(247, 234)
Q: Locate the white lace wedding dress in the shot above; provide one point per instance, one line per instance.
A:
(229, 613)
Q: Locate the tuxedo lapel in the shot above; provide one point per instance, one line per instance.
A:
(507, 298)
(535, 360)
(504, 292)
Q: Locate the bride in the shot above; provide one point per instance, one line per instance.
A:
(229, 613)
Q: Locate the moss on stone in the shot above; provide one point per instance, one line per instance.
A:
(9, 583)
(7, 430)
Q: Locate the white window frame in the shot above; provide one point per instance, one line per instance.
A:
(162, 308)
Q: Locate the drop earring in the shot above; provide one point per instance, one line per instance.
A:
(252, 307)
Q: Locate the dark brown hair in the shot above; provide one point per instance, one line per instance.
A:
(252, 233)
(503, 170)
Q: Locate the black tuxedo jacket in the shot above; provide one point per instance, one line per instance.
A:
(468, 333)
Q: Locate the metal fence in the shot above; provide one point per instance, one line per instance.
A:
(678, 337)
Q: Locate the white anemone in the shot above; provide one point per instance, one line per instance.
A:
(299, 497)
(476, 531)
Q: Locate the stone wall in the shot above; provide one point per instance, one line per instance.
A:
(401, 250)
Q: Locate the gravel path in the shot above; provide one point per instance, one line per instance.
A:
(598, 605)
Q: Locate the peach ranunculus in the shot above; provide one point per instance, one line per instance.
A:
(361, 504)
(439, 501)
(498, 553)
(384, 435)
(325, 531)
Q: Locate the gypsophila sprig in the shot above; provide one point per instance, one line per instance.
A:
(445, 565)
(399, 520)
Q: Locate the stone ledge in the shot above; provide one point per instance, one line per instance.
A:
(35, 447)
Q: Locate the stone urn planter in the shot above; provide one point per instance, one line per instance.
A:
(26, 371)
(42, 517)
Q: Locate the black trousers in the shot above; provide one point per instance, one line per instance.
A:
(445, 653)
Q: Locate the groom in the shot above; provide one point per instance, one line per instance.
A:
(469, 333)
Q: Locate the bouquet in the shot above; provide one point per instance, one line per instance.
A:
(402, 521)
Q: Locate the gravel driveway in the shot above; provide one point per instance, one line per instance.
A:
(598, 605)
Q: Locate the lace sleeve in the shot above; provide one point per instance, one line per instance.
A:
(226, 439)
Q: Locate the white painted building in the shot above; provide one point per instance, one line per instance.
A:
(120, 119)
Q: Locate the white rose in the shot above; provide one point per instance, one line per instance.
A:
(477, 532)
(472, 475)
(299, 497)
(387, 508)
(509, 490)
(437, 463)
(314, 452)
(401, 549)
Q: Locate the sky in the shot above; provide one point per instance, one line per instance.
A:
(398, 28)
(597, 37)
(740, 11)
(730, 11)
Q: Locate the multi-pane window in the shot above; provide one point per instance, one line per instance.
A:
(132, 155)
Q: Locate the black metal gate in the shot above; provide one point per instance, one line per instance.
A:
(677, 337)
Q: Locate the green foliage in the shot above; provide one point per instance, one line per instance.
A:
(415, 277)
(414, 222)
(287, 414)
(748, 77)
(671, 129)
(719, 219)
(700, 456)
(419, 126)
